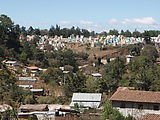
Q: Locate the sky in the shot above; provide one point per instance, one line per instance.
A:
(97, 15)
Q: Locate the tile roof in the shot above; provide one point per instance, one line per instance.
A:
(35, 107)
(151, 117)
(124, 94)
(33, 67)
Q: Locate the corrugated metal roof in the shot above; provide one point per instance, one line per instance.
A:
(86, 104)
(86, 97)
(91, 100)
(37, 112)
(26, 86)
(36, 90)
(96, 75)
(35, 107)
(11, 62)
(129, 56)
(27, 79)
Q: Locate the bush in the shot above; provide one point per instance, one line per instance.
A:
(113, 114)
(29, 99)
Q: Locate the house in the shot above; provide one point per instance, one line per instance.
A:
(38, 115)
(96, 75)
(44, 111)
(61, 110)
(12, 63)
(54, 107)
(135, 102)
(158, 60)
(27, 79)
(129, 58)
(104, 61)
(86, 100)
(39, 111)
(26, 86)
(33, 107)
(33, 70)
(66, 72)
(37, 91)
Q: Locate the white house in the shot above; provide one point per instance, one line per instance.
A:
(86, 100)
(37, 91)
(12, 63)
(26, 86)
(96, 75)
(129, 58)
(135, 102)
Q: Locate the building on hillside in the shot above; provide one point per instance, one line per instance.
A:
(61, 110)
(158, 60)
(33, 70)
(37, 91)
(12, 63)
(44, 111)
(86, 100)
(96, 75)
(37, 115)
(129, 58)
(26, 86)
(39, 111)
(136, 103)
(27, 79)
(104, 61)
(33, 107)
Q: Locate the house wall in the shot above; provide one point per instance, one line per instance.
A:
(45, 117)
(132, 108)
(128, 60)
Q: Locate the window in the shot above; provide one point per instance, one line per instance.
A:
(140, 106)
(123, 105)
(155, 107)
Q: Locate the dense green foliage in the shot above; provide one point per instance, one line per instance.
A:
(9, 34)
(112, 77)
(9, 92)
(134, 49)
(52, 76)
(149, 51)
(74, 83)
(113, 114)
